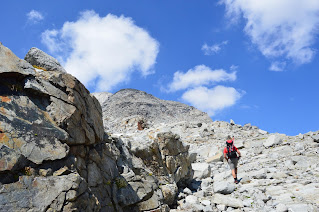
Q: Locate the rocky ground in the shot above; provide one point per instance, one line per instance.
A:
(276, 172)
(61, 151)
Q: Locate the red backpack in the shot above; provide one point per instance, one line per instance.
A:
(231, 151)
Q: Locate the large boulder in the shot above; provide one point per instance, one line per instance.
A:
(224, 187)
(165, 155)
(272, 140)
(54, 154)
(201, 170)
(227, 200)
(43, 61)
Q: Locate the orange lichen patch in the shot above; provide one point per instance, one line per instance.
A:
(48, 118)
(17, 143)
(3, 165)
(38, 67)
(5, 99)
(2, 110)
(4, 138)
(13, 143)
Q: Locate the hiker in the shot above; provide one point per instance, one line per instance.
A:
(232, 154)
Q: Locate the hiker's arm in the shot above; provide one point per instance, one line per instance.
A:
(225, 156)
(239, 155)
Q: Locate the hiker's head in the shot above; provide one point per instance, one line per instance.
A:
(229, 142)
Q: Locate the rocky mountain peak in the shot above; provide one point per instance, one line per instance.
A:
(123, 107)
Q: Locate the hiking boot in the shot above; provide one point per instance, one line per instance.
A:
(236, 181)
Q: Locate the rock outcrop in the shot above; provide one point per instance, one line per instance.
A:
(54, 153)
(42, 61)
(51, 142)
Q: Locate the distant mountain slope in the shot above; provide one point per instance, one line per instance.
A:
(128, 106)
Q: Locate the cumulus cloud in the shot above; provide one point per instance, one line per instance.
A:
(49, 38)
(34, 16)
(196, 84)
(285, 28)
(277, 66)
(198, 76)
(212, 100)
(213, 49)
(103, 51)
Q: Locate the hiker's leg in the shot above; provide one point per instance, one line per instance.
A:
(233, 173)
(235, 166)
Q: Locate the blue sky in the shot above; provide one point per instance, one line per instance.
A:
(251, 61)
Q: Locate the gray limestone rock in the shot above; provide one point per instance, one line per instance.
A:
(281, 208)
(42, 60)
(169, 193)
(221, 199)
(48, 123)
(201, 170)
(11, 63)
(315, 138)
(224, 187)
(272, 140)
(36, 193)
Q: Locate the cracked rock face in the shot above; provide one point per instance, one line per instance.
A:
(38, 111)
(54, 155)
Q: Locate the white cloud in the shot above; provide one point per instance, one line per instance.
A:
(285, 28)
(200, 75)
(213, 49)
(34, 16)
(49, 38)
(277, 66)
(103, 51)
(212, 100)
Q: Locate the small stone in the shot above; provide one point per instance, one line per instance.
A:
(71, 195)
(247, 202)
(187, 191)
(281, 208)
(205, 202)
(61, 171)
(169, 192)
(221, 199)
(301, 136)
(45, 172)
(245, 179)
(191, 199)
(315, 138)
(263, 132)
(221, 207)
